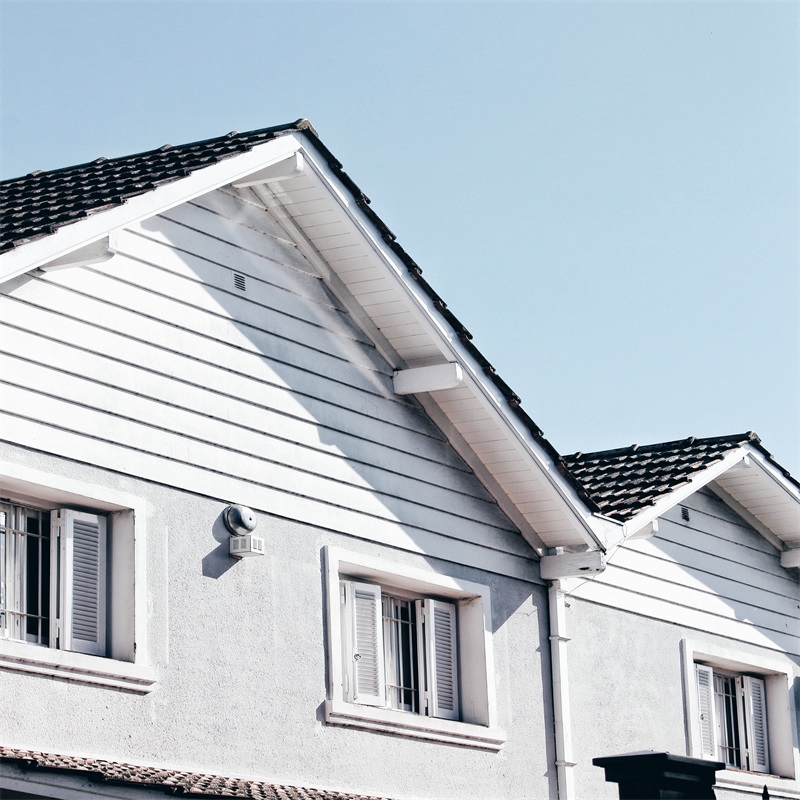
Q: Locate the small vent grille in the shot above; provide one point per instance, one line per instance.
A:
(684, 514)
(239, 282)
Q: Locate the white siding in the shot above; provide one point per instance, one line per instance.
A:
(711, 573)
(155, 364)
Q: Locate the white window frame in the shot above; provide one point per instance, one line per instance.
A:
(478, 724)
(126, 663)
(778, 673)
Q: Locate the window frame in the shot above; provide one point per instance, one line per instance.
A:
(777, 672)
(478, 724)
(126, 663)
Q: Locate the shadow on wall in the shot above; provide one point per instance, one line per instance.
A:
(218, 561)
(328, 442)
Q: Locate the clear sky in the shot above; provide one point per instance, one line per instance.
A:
(606, 194)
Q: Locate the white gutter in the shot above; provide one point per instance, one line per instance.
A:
(560, 689)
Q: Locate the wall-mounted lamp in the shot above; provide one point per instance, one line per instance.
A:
(241, 522)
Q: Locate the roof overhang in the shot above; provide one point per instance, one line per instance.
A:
(328, 218)
(750, 483)
(336, 233)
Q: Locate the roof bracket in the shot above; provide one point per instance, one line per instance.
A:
(283, 170)
(791, 558)
(428, 379)
(95, 253)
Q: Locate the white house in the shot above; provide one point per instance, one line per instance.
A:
(200, 339)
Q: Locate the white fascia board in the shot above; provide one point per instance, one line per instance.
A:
(90, 229)
(660, 507)
(592, 529)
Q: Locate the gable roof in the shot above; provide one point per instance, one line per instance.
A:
(50, 215)
(579, 500)
(172, 781)
(636, 481)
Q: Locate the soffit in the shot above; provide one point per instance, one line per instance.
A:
(415, 327)
(774, 501)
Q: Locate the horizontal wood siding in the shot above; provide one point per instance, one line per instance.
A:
(712, 573)
(208, 355)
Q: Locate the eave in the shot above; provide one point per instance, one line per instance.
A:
(754, 487)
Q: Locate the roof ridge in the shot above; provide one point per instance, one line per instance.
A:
(740, 438)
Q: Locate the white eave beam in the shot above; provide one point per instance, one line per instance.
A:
(428, 379)
(791, 558)
(291, 167)
(98, 252)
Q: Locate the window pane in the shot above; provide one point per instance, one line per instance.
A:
(400, 653)
(727, 720)
(3, 565)
(25, 574)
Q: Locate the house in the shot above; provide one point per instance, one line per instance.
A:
(219, 350)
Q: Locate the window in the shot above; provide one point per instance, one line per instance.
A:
(409, 652)
(739, 711)
(400, 651)
(733, 718)
(73, 589)
(53, 578)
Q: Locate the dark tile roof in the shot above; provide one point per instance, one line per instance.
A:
(40, 203)
(623, 482)
(190, 784)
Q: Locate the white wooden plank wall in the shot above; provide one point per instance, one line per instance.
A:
(158, 364)
(711, 573)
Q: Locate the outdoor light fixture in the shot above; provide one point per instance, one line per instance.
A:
(241, 522)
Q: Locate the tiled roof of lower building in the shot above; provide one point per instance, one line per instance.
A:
(173, 781)
(625, 481)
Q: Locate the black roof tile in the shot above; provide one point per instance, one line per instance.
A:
(625, 481)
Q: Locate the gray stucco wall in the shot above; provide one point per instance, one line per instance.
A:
(627, 692)
(240, 652)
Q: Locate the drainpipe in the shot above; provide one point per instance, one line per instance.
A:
(560, 687)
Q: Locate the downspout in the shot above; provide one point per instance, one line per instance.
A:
(560, 688)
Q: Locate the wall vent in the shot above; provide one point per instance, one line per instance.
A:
(239, 282)
(684, 513)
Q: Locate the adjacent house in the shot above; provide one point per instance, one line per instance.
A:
(272, 526)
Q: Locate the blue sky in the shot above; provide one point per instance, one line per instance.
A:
(606, 194)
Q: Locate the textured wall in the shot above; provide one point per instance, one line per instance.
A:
(240, 651)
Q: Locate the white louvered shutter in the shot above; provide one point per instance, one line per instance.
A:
(755, 699)
(441, 649)
(364, 651)
(80, 571)
(705, 700)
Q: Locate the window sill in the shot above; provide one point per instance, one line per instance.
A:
(414, 726)
(78, 667)
(742, 780)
